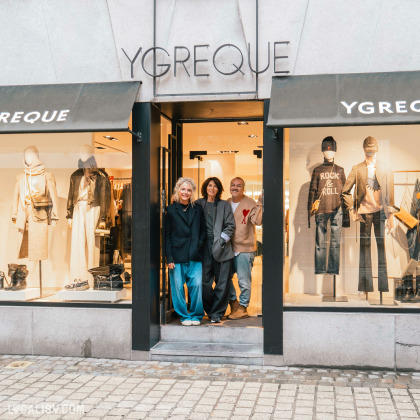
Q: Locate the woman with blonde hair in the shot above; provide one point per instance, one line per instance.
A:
(185, 233)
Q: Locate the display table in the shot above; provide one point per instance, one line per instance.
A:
(20, 295)
(92, 295)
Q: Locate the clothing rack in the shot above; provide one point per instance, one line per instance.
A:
(122, 179)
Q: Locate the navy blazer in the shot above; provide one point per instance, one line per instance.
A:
(184, 237)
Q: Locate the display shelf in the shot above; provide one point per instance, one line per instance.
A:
(20, 295)
(92, 295)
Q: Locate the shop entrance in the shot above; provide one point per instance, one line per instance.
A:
(202, 148)
(214, 149)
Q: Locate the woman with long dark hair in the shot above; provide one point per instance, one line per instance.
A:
(218, 252)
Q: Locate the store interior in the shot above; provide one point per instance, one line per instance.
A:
(397, 148)
(61, 154)
(226, 150)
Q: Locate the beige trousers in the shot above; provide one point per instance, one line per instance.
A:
(85, 221)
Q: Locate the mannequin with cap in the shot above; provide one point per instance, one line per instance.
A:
(371, 204)
(324, 202)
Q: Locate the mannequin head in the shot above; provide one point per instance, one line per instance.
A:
(85, 152)
(329, 155)
(329, 147)
(30, 155)
(370, 147)
(87, 160)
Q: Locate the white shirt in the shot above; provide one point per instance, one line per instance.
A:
(234, 207)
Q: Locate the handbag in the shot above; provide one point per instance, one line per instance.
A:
(405, 217)
(41, 201)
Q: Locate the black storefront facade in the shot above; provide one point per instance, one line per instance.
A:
(306, 332)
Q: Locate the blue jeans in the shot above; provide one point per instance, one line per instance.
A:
(242, 265)
(192, 274)
(336, 221)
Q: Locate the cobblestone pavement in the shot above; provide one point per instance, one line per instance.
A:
(74, 388)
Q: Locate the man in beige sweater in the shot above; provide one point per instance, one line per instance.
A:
(247, 214)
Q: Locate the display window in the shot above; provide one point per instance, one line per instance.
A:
(65, 216)
(352, 210)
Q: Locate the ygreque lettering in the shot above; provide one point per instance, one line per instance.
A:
(32, 116)
(381, 107)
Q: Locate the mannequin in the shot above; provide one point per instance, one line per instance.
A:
(32, 221)
(30, 216)
(326, 186)
(87, 208)
(370, 204)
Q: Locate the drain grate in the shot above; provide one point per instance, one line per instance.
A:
(18, 365)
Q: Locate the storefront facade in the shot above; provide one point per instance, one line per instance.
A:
(204, 67)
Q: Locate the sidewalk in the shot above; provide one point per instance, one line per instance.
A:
(75, 388)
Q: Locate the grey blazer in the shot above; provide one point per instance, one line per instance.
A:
(223, 222)
(358, 176)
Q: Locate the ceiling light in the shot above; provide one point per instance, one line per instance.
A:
(227, 151)
(252, 136)
(100, 147)
(111, 138)
(242, 123)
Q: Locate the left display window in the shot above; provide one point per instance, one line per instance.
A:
(65, 217)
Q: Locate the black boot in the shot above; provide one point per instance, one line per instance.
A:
(408, 289)
(127, 278)
(399, 289)
(417, 296)
(18, 274)
(110, 282)
(2, 280)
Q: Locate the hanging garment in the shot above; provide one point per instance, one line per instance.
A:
(413, 235)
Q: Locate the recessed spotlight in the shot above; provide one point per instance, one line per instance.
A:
(242, 123)
(252, 136)
(111, 138)
(227, 151)
(100, 147)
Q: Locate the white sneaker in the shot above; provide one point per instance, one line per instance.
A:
(187, 323)
(195, 322)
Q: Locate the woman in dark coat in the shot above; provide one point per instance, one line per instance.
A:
(185, 233)
(218, 252)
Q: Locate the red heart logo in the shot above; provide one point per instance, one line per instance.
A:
(245, 213)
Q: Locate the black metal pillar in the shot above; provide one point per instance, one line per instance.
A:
(273, 223)
(146, 228)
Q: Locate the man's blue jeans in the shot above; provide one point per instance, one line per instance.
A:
(336, 221)
(242, 265)
(192, 274)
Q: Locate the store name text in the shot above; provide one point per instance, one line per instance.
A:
(397, 107)
(33, 116)
(197, 59)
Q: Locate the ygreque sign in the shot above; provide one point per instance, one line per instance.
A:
(345, 99)
(198, 60)
(72, 107)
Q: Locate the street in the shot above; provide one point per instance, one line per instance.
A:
(75, 388)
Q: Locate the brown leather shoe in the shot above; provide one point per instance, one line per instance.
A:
(240, 313)
(234, 305)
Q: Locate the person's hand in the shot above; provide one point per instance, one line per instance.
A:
(171, 266)
(14, 220)
(261, 198)
(70, 223)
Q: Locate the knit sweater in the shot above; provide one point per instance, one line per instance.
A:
(247, 215)
(327, 183)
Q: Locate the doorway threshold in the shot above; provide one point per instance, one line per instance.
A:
(234, 342)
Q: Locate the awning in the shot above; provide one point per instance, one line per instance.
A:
(345, 99)
(70, 107)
